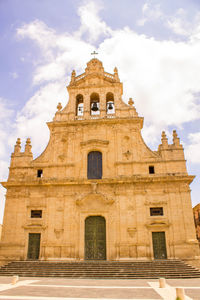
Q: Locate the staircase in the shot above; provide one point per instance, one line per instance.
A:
(101, 269)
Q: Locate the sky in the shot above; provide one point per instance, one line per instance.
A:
(155, 44)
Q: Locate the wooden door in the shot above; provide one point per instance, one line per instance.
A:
(94, 165)
(33, 246)
(95, 238)
(159, 245)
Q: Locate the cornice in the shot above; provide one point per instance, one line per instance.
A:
(118, 180)
(94, 121)
(157, 161)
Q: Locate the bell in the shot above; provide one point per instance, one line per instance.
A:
(94, 106)
(110, 106)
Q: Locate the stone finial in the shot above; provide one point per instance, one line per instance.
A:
(18, 146)
(164, 135)
(175, 135)
(28, 146)
(130, 102)
(164, 139)
(59, 106)
(73, 75)
(116, 76)
(176, 140)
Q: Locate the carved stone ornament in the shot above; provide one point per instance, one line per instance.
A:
(94, 198)
(94, 187)
(58, 232)
(157, 222)
(127, 154)
(131, 231)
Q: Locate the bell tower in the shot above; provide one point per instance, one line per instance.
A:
(95, 94)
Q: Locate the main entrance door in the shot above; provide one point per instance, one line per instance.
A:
(95, 238)
(159, 245)
(33, 246)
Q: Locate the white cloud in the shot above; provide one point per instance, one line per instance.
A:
(44, 39)
(91, 23)
(31, 121)
(193, 149)
(6, 115)
(150, 12)
(162, 76)
(14, 75)
(180, 25)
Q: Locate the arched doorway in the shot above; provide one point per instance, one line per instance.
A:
(95, 238)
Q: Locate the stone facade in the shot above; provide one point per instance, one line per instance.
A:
(141, 196)
(196, 212)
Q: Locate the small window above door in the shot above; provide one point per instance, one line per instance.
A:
(36, 213)
(156, 211)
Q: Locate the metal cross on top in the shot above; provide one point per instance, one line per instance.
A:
(94, 53)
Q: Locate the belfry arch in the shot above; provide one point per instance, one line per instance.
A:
(94, 104)
(79, 105)
(110, 105)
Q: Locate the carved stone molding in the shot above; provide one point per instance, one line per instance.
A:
(155, 202)
(157, 223)
(34, 226)
(192, 241)
(95, 142)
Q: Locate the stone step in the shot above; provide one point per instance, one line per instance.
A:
(93, 269)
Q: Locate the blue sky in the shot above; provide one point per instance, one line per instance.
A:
(155, 45)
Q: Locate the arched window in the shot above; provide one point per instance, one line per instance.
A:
(94, 104)
(110, 106)
(79, 105)
(94, 168)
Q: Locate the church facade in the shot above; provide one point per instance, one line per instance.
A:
(98, 192)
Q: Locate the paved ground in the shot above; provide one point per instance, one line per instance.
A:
(88, 289)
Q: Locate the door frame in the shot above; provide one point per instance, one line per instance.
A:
(85, 235)
(166, 245)
(81, 238)
(27, 258)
